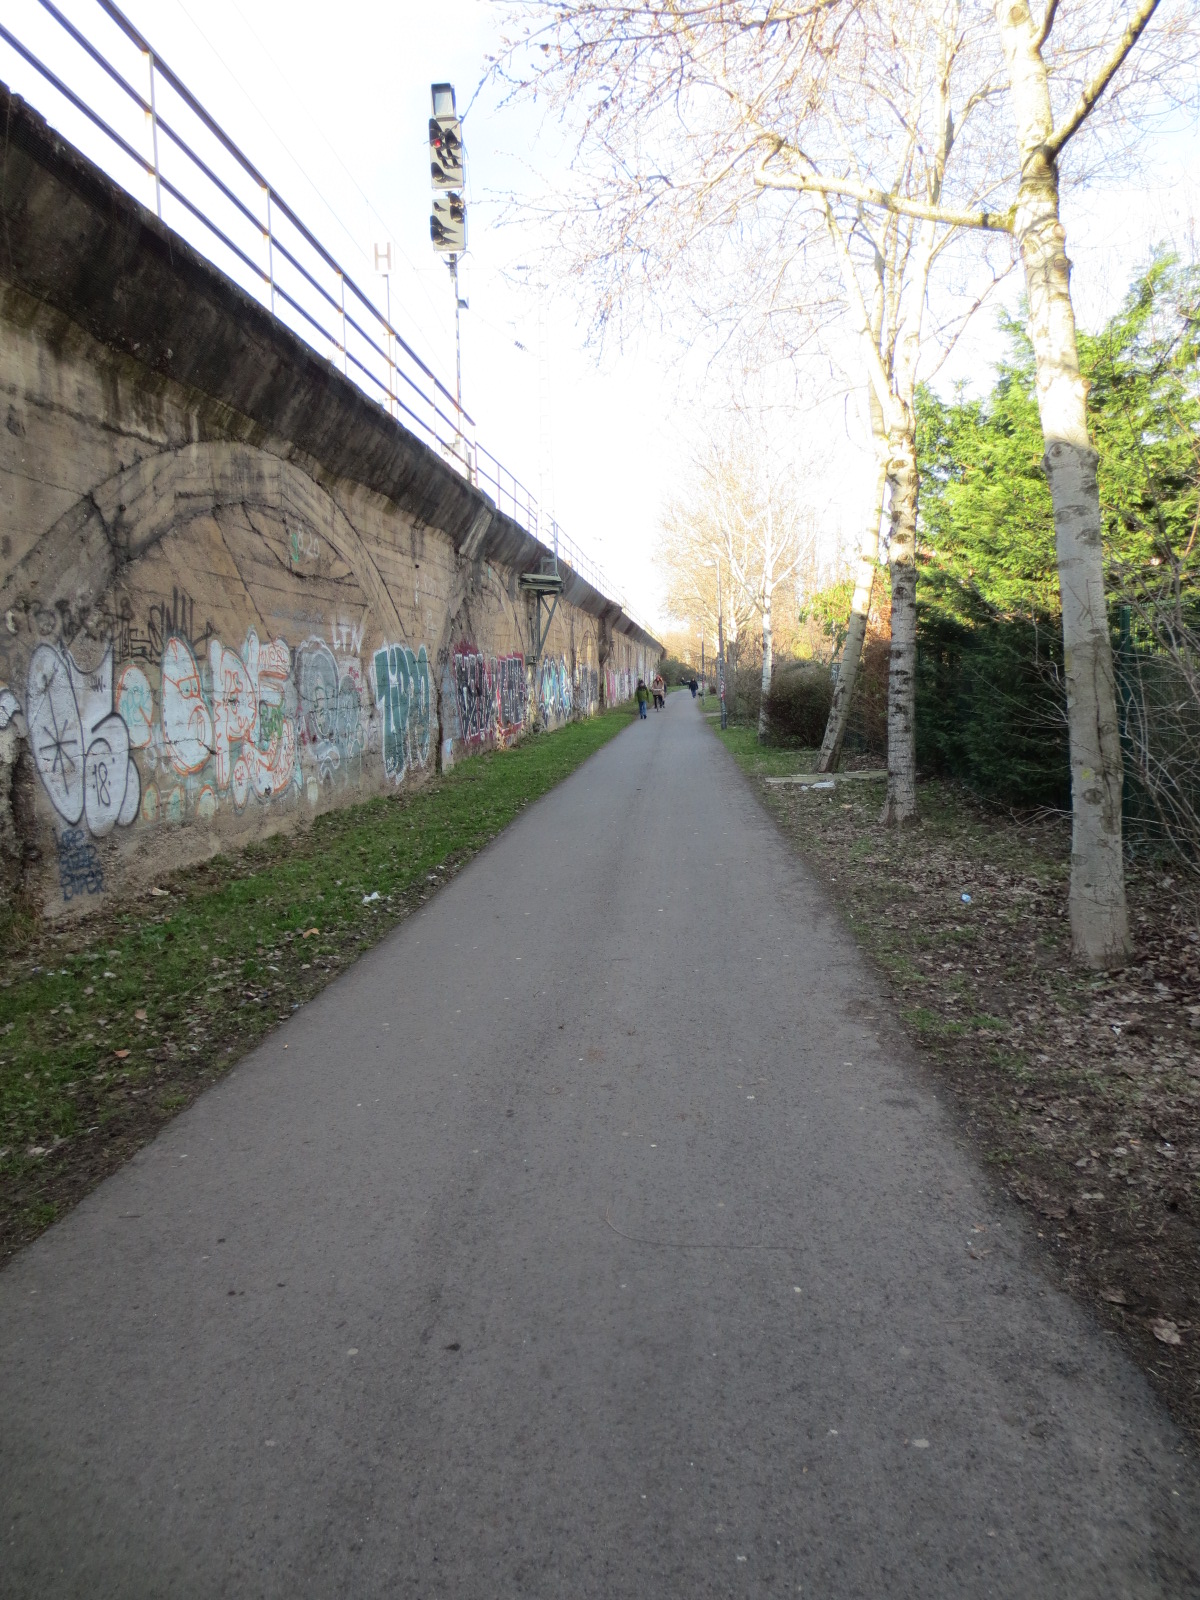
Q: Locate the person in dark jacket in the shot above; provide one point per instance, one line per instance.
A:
(643, 699)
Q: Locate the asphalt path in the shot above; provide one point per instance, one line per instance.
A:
(596, 1235)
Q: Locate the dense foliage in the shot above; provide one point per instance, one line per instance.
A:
(798, 704)
(990, 683)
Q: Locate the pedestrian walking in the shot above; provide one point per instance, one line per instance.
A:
(643, 699)
(660, 691)
(693, 686)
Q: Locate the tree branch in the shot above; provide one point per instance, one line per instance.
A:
(868, 194)
(1047, 24)
(1104, 77)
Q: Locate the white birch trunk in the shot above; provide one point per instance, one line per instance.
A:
(860, 608)
(768, 661)
(900, 803)
(1099, 920)
(768, 585)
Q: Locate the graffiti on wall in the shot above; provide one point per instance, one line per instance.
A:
(618, 685)
(491, 696)
(79, 870)
(403, 694)
(332, 715)
(235, 731)
(587, 690)
(554, 689)
(220, 725)
(79, 743)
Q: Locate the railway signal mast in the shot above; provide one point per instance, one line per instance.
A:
(448, 222)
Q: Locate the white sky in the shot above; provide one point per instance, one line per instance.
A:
(332, 102)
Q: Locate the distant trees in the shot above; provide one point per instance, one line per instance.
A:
(743, 516)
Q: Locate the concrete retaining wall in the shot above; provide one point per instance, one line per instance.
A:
(233, 592)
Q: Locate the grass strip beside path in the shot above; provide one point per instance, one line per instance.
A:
(110, 1026)
(1079, 1089)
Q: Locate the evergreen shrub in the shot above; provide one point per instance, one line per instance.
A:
(798, 704)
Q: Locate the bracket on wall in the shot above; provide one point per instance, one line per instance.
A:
(544, 586)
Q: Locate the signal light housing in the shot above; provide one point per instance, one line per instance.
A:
(448, 224)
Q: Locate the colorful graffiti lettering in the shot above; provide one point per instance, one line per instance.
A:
(587, 690)
(476, 695)
(618, 685)
(187, 724)
(554, 689)
(491, 696)
(512, 692)
(241, 725)
(80, 745)
(330, 719)
(135, 704)
(404, 698)
(254, 743)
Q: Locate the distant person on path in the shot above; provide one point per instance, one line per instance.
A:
(643, 699)
(660, 691)
(693, 686)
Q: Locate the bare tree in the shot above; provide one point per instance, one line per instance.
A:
(1086, 60)
(687, 113)
(860, 105)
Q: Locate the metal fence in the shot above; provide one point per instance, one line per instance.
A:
(115, 98)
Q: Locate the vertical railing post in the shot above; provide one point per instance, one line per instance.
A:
(154, 137)
(270, 249)
(387, 280)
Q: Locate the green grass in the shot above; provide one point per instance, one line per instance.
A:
(184, 983)
(761, 760)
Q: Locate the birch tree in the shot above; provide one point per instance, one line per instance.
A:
(1091, 55)
(687, 114)
(897, 121)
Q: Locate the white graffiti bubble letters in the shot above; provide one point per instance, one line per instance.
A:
(135, 702)
(55, 731)
(80, 745)
(186, 721)
(111, 788)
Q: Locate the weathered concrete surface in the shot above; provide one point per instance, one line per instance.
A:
(674, 1282)
(233, 591)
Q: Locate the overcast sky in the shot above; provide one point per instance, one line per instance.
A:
(332, 102)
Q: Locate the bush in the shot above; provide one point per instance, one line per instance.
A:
(991, 709)
(743, 694)
(866, 725)
(798, 704)
(676, 671)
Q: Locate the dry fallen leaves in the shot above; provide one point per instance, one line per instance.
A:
(308, 932)
(1165, 1331)
(120, 1054)
(140, 1016)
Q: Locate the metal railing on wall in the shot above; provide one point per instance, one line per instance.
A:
(161, 145)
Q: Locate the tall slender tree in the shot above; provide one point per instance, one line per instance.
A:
(948, 116)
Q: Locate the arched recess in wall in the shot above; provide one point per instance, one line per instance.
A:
(78, 558)
(194, 635)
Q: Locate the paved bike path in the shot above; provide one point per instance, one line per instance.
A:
(595, 1236)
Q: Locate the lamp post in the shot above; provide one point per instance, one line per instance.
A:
(721, 649)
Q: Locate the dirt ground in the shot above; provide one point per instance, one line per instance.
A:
(1081, 1090)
